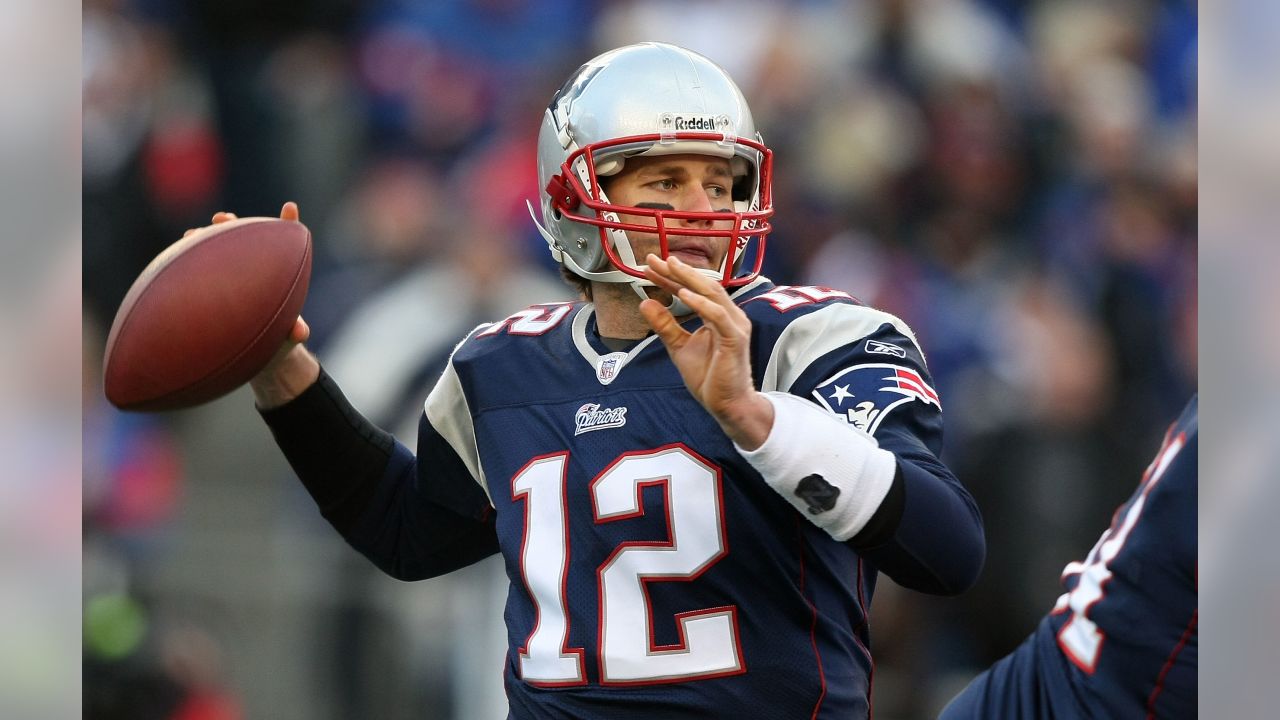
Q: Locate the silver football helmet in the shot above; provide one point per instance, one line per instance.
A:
(647, 99)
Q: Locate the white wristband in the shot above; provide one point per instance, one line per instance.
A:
(833, 473)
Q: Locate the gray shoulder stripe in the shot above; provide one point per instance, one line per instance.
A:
(811, 336)
(447, 409)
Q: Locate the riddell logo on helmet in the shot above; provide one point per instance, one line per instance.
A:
(693, 123)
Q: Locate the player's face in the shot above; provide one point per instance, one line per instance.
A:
(687, 183)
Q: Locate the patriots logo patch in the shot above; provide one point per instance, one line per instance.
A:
(864, 394)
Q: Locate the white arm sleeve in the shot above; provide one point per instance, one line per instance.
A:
(833, 473)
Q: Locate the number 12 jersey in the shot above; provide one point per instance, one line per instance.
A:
(653, 571)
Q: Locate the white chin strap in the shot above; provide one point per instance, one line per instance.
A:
(676, 307)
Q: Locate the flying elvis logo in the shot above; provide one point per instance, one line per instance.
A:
(593, 417)
(864, 394)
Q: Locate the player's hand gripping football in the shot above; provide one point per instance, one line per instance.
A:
(292, 369)
(715, 359)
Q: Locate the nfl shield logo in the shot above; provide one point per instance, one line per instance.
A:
(607, 367)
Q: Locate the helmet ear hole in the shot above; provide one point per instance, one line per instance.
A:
(745, 176)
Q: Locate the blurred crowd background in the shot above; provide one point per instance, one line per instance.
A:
(1017, 180)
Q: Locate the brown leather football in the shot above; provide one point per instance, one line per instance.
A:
(207, 314)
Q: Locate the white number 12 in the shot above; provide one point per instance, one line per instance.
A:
(709, 644)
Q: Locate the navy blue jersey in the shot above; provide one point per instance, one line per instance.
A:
(1121, 642)
(653, 571)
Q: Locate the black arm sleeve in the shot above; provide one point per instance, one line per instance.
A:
(336, 453)
(927, 534)
(353, 469)
(884, 523)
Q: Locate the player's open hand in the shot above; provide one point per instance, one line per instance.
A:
(300, 331)
(288, 212)
(715, 359)
(292, 369)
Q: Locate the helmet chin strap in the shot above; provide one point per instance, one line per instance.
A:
(676, 307)
(564, 258)
(623, 246)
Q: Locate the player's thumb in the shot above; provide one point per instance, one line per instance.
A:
(300, 331)
(662, 322)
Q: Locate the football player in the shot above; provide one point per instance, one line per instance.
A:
(694, 476)
(1122, 641)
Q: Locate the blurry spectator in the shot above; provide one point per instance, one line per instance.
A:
(137, 669)
(132, 467)
(125, 65)
(1055, 378)
(440, 75)
(392, 345)
(740, 52)
(234, 43)
(394, 216)
(322, 128)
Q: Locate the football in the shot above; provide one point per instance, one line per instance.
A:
(207, 314)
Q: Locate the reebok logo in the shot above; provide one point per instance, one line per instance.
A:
(884, 348)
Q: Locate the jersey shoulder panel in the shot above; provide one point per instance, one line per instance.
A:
(767, 303)
(796, 326)
(508, 361)
(544, 322)
(448, 413)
